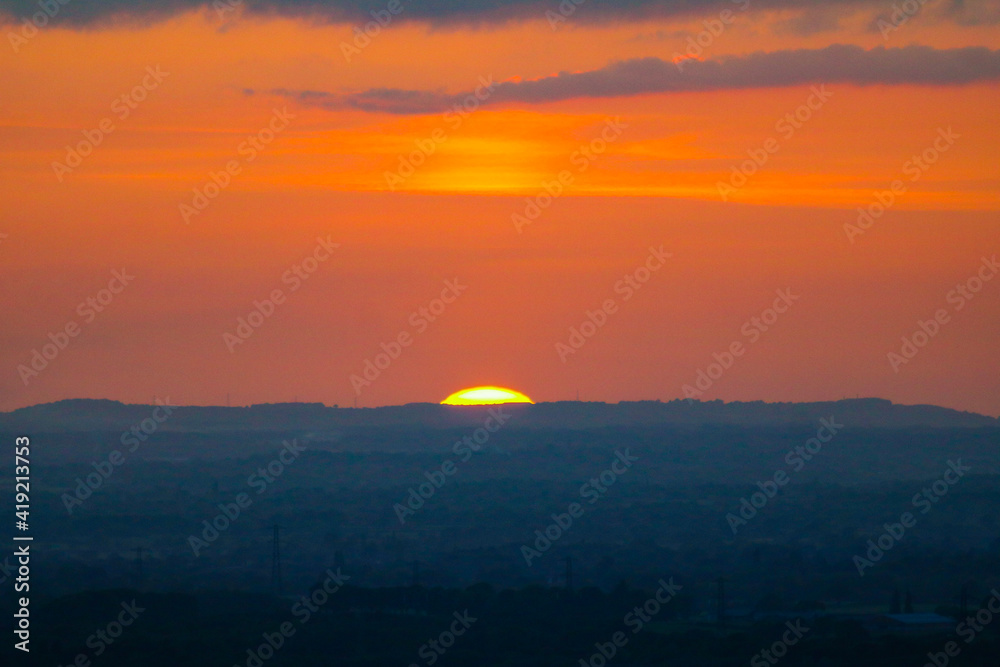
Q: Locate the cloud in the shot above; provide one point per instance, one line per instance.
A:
(911, 65)
(973, 13)
(98, 12)
(811, 21)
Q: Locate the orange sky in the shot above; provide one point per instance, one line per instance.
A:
(656, 182)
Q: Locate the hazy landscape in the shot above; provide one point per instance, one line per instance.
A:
(348, 499)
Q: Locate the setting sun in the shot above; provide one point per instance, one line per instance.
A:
(486, 396)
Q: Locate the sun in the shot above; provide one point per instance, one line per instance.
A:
(486, 396)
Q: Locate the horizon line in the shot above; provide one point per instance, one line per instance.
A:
(337, 406)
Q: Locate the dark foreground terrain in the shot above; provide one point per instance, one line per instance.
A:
(847, 533)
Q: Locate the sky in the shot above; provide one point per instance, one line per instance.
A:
(377, 203)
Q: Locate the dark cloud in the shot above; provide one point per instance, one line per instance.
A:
(97, 12)
(914, 65)
(811, 21)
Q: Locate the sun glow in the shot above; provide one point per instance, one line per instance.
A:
(486, 396)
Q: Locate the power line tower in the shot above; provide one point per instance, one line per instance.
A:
(276, 585)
